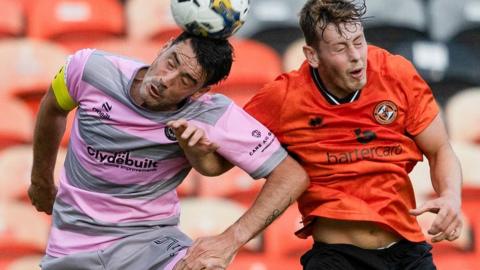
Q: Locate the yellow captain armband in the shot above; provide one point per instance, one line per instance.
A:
(60, 90)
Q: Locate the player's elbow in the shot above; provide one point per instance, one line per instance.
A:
(294, 174)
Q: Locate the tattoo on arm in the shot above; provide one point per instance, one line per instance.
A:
(276, 213)
(272, 217)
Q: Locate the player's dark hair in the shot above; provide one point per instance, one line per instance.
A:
(317, 14)
(215, 56)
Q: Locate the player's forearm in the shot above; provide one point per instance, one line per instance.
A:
(446, 172)
(49, 129)
(282, 188)
(211, 164)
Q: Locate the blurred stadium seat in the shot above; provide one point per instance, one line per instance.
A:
(456, 21)
(26, 262)
(16, 123)
(28, 67)
(15, 168)
(246, 261)
(448, 68)
(463, 116)
(389, 22)
(150, 20)
(210, 216)
(11, 19)
(254, 65)
(469, 156)
(235, 184)
(189, 185)
(75, 23)
(23, 230)
(273, 22)
(145, 51)
(293, 56)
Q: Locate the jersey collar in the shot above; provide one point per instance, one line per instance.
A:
(329, 96)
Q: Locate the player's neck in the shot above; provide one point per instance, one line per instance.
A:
(135, 87)
(332, 95)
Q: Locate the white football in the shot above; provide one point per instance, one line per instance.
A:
(210, 18)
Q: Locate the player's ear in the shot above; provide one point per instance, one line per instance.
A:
(312, 55)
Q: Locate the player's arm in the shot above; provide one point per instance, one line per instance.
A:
(198, 149)
(446, 177)
(49, 129)
(282, 187)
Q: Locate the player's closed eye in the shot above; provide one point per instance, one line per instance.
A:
(170, 64)
(185, 81)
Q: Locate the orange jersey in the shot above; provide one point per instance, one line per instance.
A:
(358, 154)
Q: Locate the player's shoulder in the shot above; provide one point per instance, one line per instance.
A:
(215, 100)
(389, 65)
(96, 57)
(289, 82)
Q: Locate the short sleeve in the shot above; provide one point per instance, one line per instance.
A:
(245, 142)
(66, 83)
(422, 107)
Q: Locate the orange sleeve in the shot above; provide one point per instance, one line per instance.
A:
(422, 107)
(266, 105)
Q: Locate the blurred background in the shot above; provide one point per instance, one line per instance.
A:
(441, 38)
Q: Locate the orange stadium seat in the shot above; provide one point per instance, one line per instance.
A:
(16, 123)
(15, 168)
(23, 230)
(11, 18)
(27, 262)
(254, 65)
(75, 23)
(463, 117)
(28, 67)
(247, 261)
(150, 20)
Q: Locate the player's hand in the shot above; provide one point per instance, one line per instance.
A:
(192, 138)
(208, 253)
(42, 196)
(447, 225)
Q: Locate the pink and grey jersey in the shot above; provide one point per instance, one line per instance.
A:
(123, 164)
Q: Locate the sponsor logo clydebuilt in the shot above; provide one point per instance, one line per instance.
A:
(121, 159)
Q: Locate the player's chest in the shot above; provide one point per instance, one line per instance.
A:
(369, 118)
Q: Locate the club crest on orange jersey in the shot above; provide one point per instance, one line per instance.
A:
(385, 112)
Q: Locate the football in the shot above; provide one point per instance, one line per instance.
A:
(210, 18)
